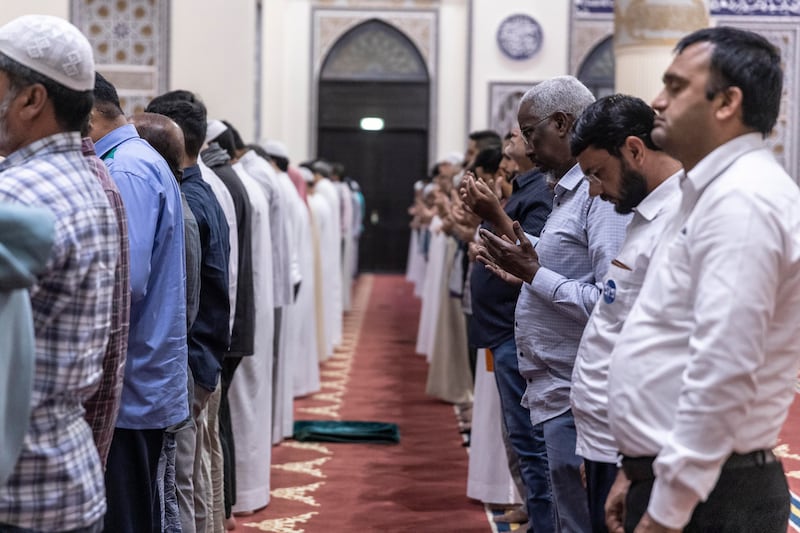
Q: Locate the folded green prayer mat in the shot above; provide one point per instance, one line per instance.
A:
(346, 431)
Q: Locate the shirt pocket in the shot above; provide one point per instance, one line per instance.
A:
(621, 287)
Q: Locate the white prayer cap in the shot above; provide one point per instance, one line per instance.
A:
(308, 176)
(215, 129)
(454, 158)
(428, 189)
(52, 47)
(275, 149)
(419, 185)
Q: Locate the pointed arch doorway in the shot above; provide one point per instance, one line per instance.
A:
(374, 71)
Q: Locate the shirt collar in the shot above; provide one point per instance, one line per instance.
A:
(87, 146)
(59, 142)
(713, 164)
(571, 180)
(114, 138)
(524, 179)
(654, 202)
(191, 172)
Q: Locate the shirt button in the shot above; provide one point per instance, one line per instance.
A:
(530, 381)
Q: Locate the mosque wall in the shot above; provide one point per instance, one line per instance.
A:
(211, 53)
(255, 62)
(493, 70)
(12, 10)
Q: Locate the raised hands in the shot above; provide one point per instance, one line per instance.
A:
(480, 198)
(506, 258)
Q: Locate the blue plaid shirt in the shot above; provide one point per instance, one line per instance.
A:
(57, 483)
(576, 247)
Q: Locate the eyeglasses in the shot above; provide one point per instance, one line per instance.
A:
(592, 177)
(527, 132)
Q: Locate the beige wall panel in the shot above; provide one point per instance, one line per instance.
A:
(451, 116)
(639, 70)
(212, 54)
(13, 9)
(286, 56)
(489, 63)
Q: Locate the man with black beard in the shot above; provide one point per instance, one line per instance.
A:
(612, 143)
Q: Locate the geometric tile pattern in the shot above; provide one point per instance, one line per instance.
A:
(130, 40)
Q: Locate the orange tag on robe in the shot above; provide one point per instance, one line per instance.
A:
(489, 360)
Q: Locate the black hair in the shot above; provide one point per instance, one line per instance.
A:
(485, 139)
(607, 122)
(189, 115)
(338, 169)
(178, 94)
(106, 99)
(746, 60)
(489, 159)
(71, 107)
(238, 143)
(320, 166)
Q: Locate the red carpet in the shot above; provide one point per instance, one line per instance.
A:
(418, 485)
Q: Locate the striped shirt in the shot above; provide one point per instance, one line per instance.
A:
(576, 247)
(57, 483)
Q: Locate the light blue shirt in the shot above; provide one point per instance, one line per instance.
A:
(154, 391)
(576, 247)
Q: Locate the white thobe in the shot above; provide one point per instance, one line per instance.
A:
(434, 277)
(332, 259)
(322, 219)
(262, 173)
(488, 478)
(250, 395)
(346, 201)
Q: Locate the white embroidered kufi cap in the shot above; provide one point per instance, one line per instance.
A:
(215, 129)
(52, 47)
(275, 149)
(308, 176)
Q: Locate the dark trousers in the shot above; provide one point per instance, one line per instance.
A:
(746, 499)
(132, 481)
(229, 366)
(599, 478)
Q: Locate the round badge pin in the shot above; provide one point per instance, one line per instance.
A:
(610, 292)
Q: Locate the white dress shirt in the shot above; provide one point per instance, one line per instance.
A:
(707, 361)
(621, 286)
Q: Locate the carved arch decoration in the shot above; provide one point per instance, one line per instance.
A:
(419, 26)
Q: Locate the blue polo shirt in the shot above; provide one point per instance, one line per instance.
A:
(154, 392)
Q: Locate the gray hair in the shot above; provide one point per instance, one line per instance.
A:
(562, 93)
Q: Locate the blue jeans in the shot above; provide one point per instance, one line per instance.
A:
(527, 440)
(569, 496)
